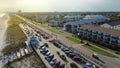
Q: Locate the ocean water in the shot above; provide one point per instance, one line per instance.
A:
(3, 26)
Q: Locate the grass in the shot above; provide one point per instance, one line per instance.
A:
(73, 39)
(14, 35)
(99, 51)
(54, 31)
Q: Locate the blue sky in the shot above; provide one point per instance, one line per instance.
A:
(59, 5)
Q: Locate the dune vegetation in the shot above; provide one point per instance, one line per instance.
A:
(14, 35)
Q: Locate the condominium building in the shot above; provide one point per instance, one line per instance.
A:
(97, 33)
(112, 25)
(88, 19)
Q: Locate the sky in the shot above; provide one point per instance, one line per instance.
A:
(59, 5)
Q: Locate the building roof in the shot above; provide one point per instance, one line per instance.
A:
(79, 22)
(89, 19)
(95, 17)
(103, 30)
(84, 21)
(114, 23)
(77, 16)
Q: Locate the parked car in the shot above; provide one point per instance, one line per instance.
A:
(39, 39)
(44, 52)
(57, 44)
(46, 45)
(47, 54)
(57, 64)
(65, 49)
(73, 65)
(52, 62)
(63, 58)
(77, 58)
(48, 58)
(51, 56)
(62, 66)
(94, 55)
(88, 65)
(43, 48)
(58, 52)
(68, 52)
(71, 55)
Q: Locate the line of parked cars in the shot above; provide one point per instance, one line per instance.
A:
(50, 57)
(43, 34)
(73, 55)
(69, 52)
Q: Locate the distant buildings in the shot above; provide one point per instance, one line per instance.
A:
(110, 37)
(112, 25)
(97, 18)
(73, 18)
(88, 19)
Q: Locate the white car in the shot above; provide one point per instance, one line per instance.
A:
(88, 65)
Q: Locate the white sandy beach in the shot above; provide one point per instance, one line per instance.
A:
(3, 26)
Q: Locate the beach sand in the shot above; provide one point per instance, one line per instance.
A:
(3, 26)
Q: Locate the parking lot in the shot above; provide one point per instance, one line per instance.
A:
(56, 55)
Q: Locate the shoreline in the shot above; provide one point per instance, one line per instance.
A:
(4, 18)
(3, 31)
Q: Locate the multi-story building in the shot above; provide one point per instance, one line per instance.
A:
(88, 19)
(112, 25)
(108, 36)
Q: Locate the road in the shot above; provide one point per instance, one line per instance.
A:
(109, 61)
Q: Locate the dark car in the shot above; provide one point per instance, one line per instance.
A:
(63, 57)
(51, 56)
(73, 65)
(44, 52)
(71, 55)
(68, 52)
(48, 58)
(46, 45)
(41, 47)
(57, 44)
(58, 52)
(65, 49)
(62, 66)
(94, 55)
(39, 39)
